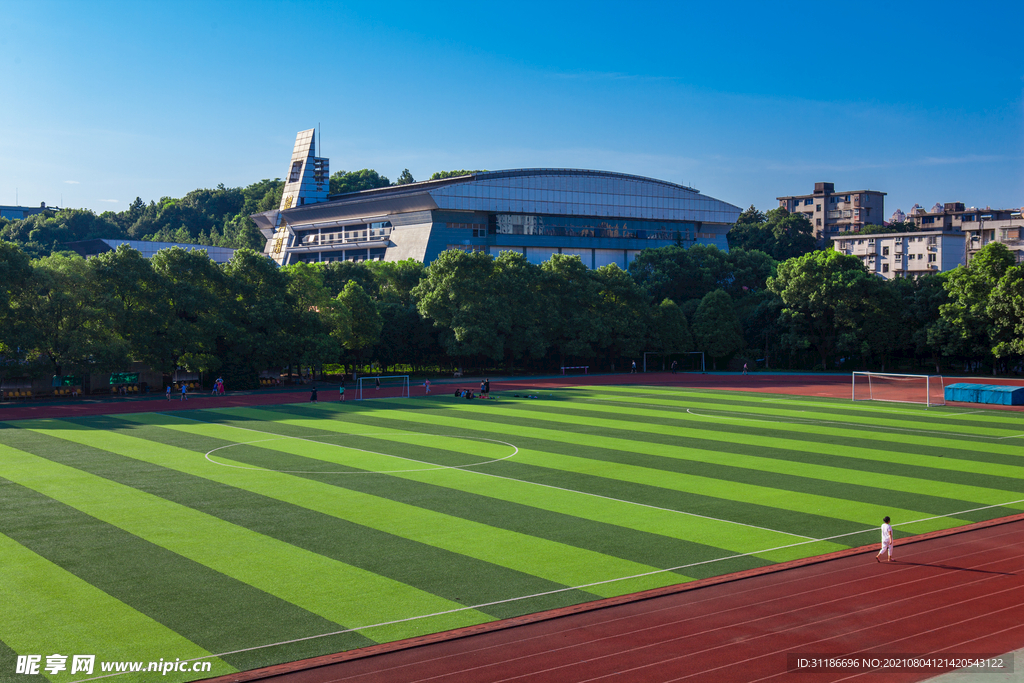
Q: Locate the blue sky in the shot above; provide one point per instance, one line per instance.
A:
(746, 101)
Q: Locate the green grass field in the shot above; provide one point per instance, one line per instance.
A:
(249, 537)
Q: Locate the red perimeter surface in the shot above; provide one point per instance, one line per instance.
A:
(956, 592)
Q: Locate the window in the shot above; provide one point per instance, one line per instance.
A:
(817, 221)
(931, 258)
(927, 219)
(808, 202)
(818, 207)
(899, 257)
(885, 267)
(885, 251)
(296, 173)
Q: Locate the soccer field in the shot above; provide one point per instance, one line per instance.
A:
(245, 537)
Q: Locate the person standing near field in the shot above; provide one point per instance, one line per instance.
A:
(341, 392)
(184, 391)
(886, 540)
(426, 386)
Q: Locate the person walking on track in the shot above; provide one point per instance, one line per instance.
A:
(886, 541)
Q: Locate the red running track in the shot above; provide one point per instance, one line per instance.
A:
(957, 592)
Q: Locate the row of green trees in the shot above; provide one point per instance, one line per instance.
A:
(216, 217)
(61, 314)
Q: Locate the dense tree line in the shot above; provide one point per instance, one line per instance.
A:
(61, 314)
(776, 302)
(217, 217)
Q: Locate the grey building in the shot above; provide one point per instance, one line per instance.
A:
(832, 212)
(94, 247)
(18, 213)
(904, 254)
(1009, 231)
(601, 216)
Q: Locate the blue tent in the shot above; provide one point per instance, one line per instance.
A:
(985, 393)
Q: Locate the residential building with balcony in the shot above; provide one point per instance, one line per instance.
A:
(1008, 231)
(955, 216)
(833, 213)
(905, 254)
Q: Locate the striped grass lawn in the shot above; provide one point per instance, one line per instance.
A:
(255, 536)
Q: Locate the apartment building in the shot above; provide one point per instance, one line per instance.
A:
(833, 213)
(1009, 231)
(955, 216)
(905, 254)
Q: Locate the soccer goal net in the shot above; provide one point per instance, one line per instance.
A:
(692, 361)
(876, 386)
(383, 386)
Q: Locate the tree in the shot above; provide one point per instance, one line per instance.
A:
(778, 233)
(573, 300)
(669, 330)
(1006, 310)
(194, 295)
(15, 275)
(405, 178)
(343, 182)
(260, 312)
(130, 295)
(884, 330)
(971, 332)
(366, 322)
(441, 175)
(64, 325)
(716, 331)
(824, 295)
(624, 311)
(523, 328)
(460, 297)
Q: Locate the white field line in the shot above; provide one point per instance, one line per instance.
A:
(496, 476)
(553, 592)
(278, 437)
(814, 420)
(799, 420)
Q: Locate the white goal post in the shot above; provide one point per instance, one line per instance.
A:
(898, 388)
(382, 382)
(662, 354)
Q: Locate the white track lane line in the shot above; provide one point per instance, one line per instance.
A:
(545, 593)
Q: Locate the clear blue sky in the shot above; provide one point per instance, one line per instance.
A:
(746, 101)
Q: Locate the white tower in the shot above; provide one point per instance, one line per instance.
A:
(308, 180)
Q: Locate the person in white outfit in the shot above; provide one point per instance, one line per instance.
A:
(886, 541)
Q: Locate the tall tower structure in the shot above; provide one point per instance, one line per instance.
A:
(308, 180)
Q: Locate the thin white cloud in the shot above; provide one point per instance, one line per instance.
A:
(71, 182)
(968, 159)
(110, 201)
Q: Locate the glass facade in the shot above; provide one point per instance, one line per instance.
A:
(568, 226)
(603, 217)
(581, 193)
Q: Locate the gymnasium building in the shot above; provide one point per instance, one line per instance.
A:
(600, 216)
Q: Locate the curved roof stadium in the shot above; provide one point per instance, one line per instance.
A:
(601, 216)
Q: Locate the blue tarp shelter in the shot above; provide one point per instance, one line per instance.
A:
(985, 393)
